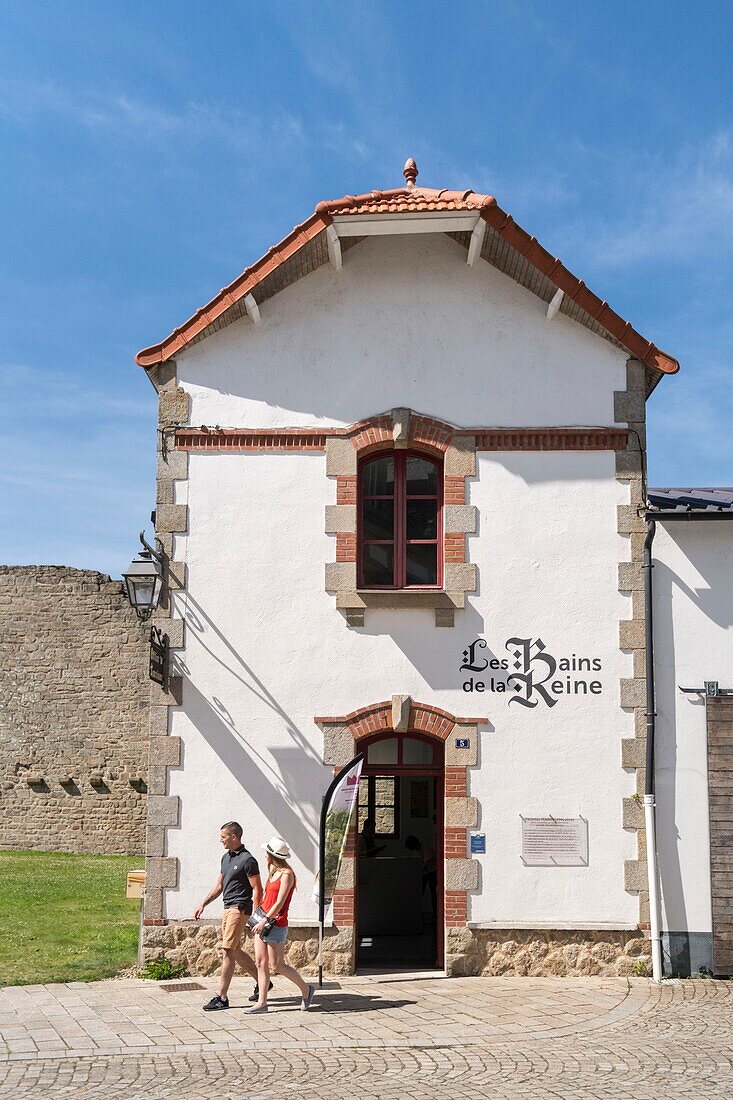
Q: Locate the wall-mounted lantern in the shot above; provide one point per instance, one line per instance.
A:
(144, 578)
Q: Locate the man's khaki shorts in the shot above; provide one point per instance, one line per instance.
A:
(233, 924)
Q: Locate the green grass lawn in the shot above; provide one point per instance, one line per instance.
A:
(65, 918)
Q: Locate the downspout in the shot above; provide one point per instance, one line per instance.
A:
(649, 804)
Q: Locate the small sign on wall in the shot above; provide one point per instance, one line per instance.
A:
(554, 842)
(478, 844)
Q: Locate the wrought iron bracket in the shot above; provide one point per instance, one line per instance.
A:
(711, 690)
(157, 552)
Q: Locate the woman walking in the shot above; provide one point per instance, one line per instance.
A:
(272, 931)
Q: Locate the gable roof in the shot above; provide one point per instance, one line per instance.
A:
(502, 243)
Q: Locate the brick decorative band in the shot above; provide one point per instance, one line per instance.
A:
(377, 718)
(550, 439)
(251, 439)
(377, 433)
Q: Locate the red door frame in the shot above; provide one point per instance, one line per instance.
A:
(410, 771)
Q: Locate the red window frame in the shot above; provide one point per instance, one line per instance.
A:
(399, 539)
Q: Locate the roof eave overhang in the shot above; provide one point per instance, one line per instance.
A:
(657, 361)
(229, 295)
(430, 221)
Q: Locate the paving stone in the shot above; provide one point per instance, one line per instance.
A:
(518, 1039)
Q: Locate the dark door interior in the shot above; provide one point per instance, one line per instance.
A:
(399, 895)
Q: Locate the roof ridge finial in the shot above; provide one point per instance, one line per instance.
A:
(410, 172)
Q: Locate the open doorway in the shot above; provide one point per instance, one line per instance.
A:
(399, 891)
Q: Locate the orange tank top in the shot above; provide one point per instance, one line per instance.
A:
(272, 889)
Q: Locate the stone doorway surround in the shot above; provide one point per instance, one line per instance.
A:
(401, 714)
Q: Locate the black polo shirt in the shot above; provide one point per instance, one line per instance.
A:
(237, 868)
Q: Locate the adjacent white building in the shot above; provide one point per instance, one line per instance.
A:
(401, 489)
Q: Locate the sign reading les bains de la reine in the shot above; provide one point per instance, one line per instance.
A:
(530, 672)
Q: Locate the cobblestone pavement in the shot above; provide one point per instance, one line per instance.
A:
(388, 1037)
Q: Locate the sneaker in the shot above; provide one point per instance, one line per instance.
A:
(256, 995)
(307, 1000)
(255, 1009)
(216, 1003)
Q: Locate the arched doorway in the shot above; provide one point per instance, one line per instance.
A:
(399, 852)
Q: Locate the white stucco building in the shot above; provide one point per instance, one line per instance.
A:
(401, 489)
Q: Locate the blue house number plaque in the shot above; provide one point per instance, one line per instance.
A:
(463, 743)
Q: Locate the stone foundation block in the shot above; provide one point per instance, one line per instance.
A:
(163, 810)
(633, 752)
(340, 518)
(550, 953)
(338, 745)
(174, 407)
(197, 946)
(633, 693)
(341, 458)
(635, 875)
(340, 576)
(631, 634)
(461, 874)
(461, 812)
(460, 457)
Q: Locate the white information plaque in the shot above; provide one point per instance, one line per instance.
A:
(554, 842)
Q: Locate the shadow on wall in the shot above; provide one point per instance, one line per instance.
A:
(685, 951)
(434, 652)
(675, 964)
(275, 790)
(281, 781)
(393, 295)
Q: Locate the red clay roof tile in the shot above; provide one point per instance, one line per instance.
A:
(411, 199)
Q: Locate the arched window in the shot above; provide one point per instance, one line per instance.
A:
(400, 521)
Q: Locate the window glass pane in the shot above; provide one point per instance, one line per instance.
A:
(385, 819)
(383, 752)
(422, 519)
(422, 564)
(377, 478)
(378, 518)
(422, 477)
(377, 563)
(416, 752)
(363, 815)
(384, 791)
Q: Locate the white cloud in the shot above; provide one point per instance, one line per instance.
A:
(681, 207)
(123, 118)
(44, 393)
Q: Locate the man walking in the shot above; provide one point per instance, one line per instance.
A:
(239, 880)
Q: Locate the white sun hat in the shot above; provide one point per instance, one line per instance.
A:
(276, 846)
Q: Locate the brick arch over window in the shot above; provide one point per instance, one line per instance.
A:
(401, 429)
(402, 714)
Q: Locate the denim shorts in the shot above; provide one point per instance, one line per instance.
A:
(277, 934)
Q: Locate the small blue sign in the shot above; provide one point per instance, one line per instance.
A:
(478, 843)
(463, 743)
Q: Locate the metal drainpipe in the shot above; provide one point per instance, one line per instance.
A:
(649, 804)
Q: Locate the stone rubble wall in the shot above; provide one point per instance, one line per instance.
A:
(74, 698)
(485, 952)
(197, 945)
(547, 953)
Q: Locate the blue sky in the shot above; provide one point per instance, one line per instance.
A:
(152, 150)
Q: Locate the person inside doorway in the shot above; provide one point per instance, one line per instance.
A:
(429, 870)
(240, 883)
(368, 840)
